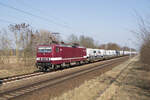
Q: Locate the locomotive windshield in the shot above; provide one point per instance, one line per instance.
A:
(44, 49)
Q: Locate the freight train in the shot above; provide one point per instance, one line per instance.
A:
(54, 56)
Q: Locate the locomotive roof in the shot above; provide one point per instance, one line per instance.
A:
(61, 45)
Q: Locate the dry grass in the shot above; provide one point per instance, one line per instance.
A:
(11, 67)
(91, 90)
(135, 86)
(14, 69)
(130, 85)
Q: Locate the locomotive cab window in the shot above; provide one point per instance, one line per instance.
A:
(44, 49)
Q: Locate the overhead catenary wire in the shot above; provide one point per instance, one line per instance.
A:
(6, 21)
(17, 18)
(33, 15)
(42, 18)
(9, 22)
(41, 11)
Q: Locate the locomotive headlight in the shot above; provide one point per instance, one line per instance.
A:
(37, 58)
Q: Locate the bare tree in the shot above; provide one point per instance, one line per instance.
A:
(143, 36)
(21, 36)
(83, 41)
(102, 46)
(43, 37)
(26, 40)
(113, 46)
(110, 46)
(86, 41)
(23, 40)
(5, 46)
(125, 48)
(73, 39)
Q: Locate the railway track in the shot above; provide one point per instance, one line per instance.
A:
(21, 90)
(18, 77)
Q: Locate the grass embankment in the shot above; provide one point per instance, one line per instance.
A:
(128, 81)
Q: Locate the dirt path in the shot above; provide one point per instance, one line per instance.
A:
(124, 82)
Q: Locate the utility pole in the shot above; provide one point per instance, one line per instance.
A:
(106, 47)
(130, 47)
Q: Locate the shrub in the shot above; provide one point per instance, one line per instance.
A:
(145, 52)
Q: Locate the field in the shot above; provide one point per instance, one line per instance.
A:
(11, 67)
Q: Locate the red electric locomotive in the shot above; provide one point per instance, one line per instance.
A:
(54, 56)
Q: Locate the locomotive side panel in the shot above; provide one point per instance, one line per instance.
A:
(68, 54)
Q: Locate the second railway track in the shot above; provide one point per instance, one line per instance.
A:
(18, 77)
(21, 90)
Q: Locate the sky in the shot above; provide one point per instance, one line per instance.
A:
(103, 20)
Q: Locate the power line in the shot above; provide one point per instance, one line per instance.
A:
(28, 13)
(39, 10)
(6, 21)
(16, 18)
